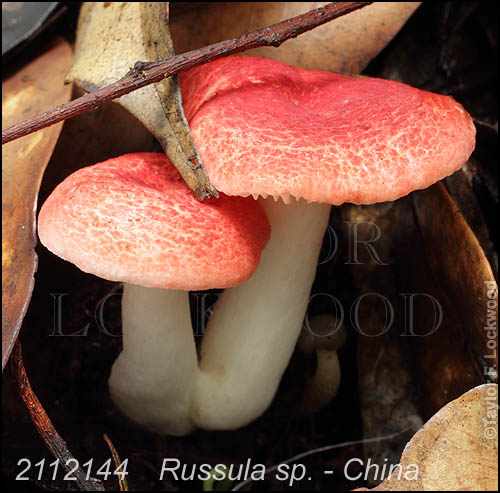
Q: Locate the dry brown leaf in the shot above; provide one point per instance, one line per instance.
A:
(432, 367)
(456, 450)
(345, 45)
(457, 258)
(35, 88)
(111, 38)
(388, 404)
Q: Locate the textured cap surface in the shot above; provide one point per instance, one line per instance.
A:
(263, 127)
(133, 219)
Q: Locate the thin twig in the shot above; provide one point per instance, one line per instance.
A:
(144, 74)
(319, 450)
(54, 442)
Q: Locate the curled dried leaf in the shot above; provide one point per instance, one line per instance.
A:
(456, 450)
(35, 88)
(457, 258)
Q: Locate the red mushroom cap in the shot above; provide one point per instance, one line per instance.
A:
(133, 219)
(263, 127)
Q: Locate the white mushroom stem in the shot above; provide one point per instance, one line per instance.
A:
(253, 330)
(322, 387)
(251, 335)
(152, 379)
(323, 334)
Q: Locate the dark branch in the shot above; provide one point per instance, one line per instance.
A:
(43, 424)
(152, 72)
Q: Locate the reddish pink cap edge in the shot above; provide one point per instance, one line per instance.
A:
(133, 219)
(263, 127)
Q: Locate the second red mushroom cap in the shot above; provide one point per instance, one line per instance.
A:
(133, 219)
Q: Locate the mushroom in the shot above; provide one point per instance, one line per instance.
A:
(133, 219)
(309, 140)
(322, 335)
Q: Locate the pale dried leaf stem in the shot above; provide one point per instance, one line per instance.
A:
(322, 449)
